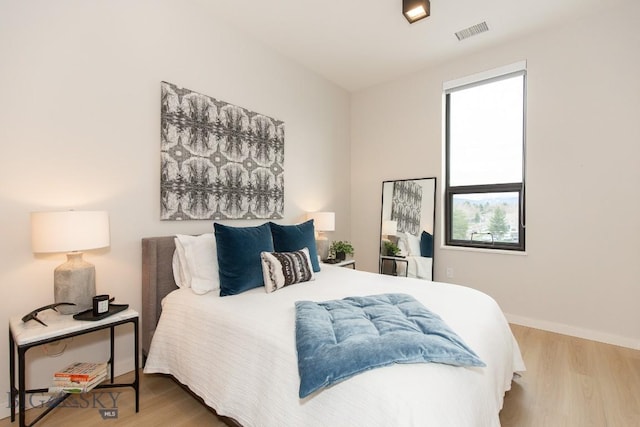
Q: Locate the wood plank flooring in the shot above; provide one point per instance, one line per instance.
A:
(162, 403)
(569, 382)
(573, 382)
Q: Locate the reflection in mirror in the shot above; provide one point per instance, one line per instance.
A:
(407, 227)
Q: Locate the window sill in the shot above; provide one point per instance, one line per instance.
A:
(483, 250)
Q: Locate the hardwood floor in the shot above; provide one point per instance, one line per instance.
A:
(162, 403)
(569, 382)
(573, 382)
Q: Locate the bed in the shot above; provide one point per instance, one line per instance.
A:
(418, 254)
(238, 353)
(419, 267)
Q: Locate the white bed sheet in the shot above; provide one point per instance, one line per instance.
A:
(419, 267)
(238, 354)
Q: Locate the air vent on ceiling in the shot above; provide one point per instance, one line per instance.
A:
(472, 31)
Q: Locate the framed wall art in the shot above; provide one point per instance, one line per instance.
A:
(218, 160)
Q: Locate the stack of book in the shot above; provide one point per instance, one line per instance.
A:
(79, 377)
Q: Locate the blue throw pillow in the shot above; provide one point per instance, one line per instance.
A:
(239, 261)
(426, 245)
(291, 238)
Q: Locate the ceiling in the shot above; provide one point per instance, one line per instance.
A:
(361, 43)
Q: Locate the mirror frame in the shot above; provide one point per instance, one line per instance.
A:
(385, 211)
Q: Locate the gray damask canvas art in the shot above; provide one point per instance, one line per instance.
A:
(219, 161)
(406, 206)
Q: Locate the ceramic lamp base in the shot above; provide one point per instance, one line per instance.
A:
(322, 246)
(74, 281)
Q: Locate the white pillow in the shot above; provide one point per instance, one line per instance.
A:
(414, 244)
(410, 244)
(178, 271)
(199, 261)
(402, 245)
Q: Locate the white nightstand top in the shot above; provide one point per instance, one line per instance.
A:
(57, 325)
(342, 263)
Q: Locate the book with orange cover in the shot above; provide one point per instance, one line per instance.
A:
(81, 371)
(78, 387)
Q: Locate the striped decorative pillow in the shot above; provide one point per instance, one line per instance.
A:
(281, 269)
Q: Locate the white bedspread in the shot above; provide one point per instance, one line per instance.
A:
(238, 354)
(419, 267)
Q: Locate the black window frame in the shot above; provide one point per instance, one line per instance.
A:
(516, 187)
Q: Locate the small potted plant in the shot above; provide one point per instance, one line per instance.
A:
(340, 249)
(391, 249)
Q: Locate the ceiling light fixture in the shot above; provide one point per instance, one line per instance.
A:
(415, 10)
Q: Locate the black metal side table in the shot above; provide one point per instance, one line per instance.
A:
(395, 260)
(23, 336)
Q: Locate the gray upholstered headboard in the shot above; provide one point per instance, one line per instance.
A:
(157, 282)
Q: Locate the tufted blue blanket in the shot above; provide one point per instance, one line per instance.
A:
(341, 338)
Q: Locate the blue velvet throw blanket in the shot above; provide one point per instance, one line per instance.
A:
(341, 338)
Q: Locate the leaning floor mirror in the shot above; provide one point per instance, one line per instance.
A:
(407, 227)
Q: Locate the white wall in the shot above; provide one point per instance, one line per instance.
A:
(79, 128)
(581, 272)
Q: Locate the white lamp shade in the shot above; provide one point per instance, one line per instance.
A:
(69, 231)
(389, 228)
(323, 221)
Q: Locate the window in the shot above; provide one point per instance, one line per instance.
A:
(485, 160)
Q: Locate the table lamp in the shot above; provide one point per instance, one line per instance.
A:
(322, 221)
(71, 232)
(389, 228)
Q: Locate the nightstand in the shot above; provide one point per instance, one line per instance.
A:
(345, 263)
(395, 260)
(23, 336)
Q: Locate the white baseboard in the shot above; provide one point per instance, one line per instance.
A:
(574, 331)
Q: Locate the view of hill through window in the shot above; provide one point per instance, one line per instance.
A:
(486, 217)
